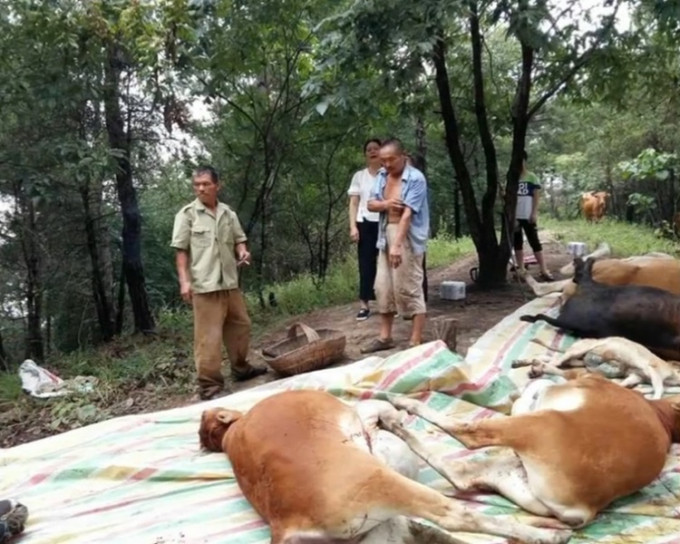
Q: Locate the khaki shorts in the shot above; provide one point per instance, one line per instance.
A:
(400, 289)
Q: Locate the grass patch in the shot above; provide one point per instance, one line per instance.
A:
(445, 249)
(10, 387)
(625, 239)
(305, 293)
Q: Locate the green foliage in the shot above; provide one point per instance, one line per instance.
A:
(284, 95)
(649, 164)
(10, 388)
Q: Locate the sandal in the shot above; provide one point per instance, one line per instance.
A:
(212, 393)
(247, 374)
(546, 276)
(378, 345)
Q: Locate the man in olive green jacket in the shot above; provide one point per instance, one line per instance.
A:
(211, 246)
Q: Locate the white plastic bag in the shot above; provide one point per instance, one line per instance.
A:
(41, 383)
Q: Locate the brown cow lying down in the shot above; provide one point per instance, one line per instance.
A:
(653, 270)
(577, 446)
(613, 357)
(319, 471)
(646, 315)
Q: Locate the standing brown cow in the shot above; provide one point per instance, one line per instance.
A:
(593, 204)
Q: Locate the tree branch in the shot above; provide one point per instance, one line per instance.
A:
(579, 63)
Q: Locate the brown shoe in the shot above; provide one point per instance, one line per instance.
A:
(248, 373)
(378, 345)
(212, 393)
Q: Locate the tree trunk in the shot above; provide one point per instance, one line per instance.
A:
(420, 162)
(458, 233)
(4, 361)
(120, 311)
(100, 293)
(520, 124)
(48, 334)
(492, 258)
(674, 198)
(452, 139)
(34, 348)
(119, 140)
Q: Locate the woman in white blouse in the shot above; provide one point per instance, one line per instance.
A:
(363, 225)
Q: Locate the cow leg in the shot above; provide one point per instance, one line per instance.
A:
(542, 289)
(384, 445)
(631, 381)
(555, 322)
(519, 363)
(488, 432)
(575, 354)
(502, 473)
(609, 350)
(539, 369)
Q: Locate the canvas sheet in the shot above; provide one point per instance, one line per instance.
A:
(143, 479)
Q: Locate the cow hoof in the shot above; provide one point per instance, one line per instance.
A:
(537, 370)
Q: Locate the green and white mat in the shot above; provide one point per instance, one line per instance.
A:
(142, 478)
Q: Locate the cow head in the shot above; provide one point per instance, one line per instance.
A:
(602, 197)
(583, 270)
(215, 423)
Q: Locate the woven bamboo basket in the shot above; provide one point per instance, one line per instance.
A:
(300, 353)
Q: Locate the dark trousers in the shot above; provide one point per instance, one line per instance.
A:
(368, 258)
(425, 276)
(532, 236)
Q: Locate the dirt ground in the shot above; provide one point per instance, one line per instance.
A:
(477, 313)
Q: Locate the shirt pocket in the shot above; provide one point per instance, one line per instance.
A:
(200, 237)
(226, 233)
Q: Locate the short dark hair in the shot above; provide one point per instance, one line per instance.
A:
(371, 141)
(396, 143)
(207, 169)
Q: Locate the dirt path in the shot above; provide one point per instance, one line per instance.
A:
(476, 314)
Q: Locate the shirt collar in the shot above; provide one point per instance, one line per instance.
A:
(404, 175)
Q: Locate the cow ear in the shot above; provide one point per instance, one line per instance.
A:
(227, 417)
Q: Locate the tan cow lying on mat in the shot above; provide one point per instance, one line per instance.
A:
(582, 445)
(320, 471)
(653, 270)
(613, 357)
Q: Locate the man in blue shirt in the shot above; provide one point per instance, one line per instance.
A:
(400, 195)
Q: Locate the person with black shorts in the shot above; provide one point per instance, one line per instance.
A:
(526, 214)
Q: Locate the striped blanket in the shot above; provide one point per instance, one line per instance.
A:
(143, 479)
